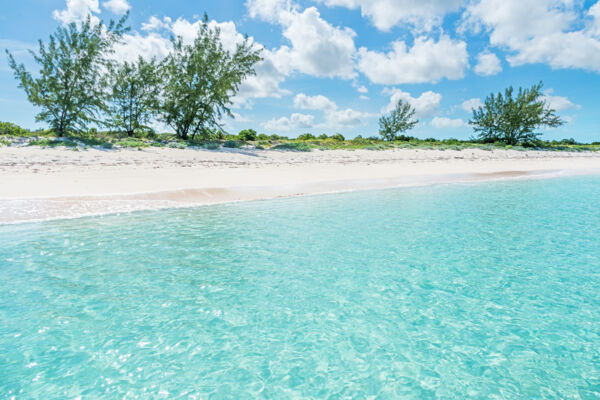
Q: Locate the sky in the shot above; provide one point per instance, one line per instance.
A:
(337, 65)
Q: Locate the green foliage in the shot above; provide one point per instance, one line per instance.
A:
(201, 78)
(247, 135)
(53, 143)
(232, 144)
(262, 137)
(294, 146)
(7, 128)
(307, 136)
(323, 136)
(134, 95)
(68, 90)
(136, 143)
(211, 146)
(399, 120)
(339, 137)
(514, 120)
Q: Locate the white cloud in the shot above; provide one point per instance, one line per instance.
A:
(135, 45)
(118, 7)
(335, 118)
(422, 15)
(318, 102)
(77, 11)
(285, 124)
(469, 105)
(363, 97)
(487, 64)
(540, 31)
(445, 123)
(343, 119)
(363, 90)
(269, 10)
(317, 47)
(559, 103)
(425, 105)
(426, 61)
(154, 24)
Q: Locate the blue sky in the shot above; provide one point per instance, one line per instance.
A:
(337, 65)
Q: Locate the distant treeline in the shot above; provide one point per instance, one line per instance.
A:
(79, 84)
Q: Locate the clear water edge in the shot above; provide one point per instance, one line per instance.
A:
(480, 291)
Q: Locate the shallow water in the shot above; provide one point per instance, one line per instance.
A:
(488, 290)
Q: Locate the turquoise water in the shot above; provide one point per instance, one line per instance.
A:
(487, 290)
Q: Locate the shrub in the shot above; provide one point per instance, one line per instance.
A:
(339, 137)
(306, 136)
(7, 128)
(211, 146)
(262, 137)
(247, 135)
(232, 144)
(323, 136)
(177, 145)
(292, 147)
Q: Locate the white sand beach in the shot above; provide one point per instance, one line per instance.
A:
(45, 183)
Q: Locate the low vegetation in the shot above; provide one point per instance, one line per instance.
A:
(13, 135)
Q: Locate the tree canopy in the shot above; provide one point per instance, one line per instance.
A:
(67, 89)
(201, 78)
(134, 92)
(399, 120)
(514, 120)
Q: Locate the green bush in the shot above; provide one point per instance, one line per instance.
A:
(307, 136)
(211, 146)
(339, 137)
(177, 145)
(232, 144)
(8, 128)
(292, 147)
(323, 137)
(247, 135)
(133, 143)
(52, 143)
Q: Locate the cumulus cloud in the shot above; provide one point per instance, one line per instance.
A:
(425, 105)
(426, 61)
(154, 24)
(540, 31)
(421, 15)
(118, 7)
(447, 123)
(362, 90)
(316, 48)
(469, 105)
(334, 117)
(318, 102)
(559, 103)
(135, 45)
(77, 11)
(487, 64)
(285, 124)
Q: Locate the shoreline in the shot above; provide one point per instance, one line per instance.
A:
(46, 184)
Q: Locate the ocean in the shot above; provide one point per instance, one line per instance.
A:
(480, 290)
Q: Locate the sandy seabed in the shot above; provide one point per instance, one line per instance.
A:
(41, 183)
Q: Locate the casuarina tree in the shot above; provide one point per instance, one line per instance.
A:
(201, 78)
(399, 120)
(134, 92)
(66, 87)
(514, 119)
